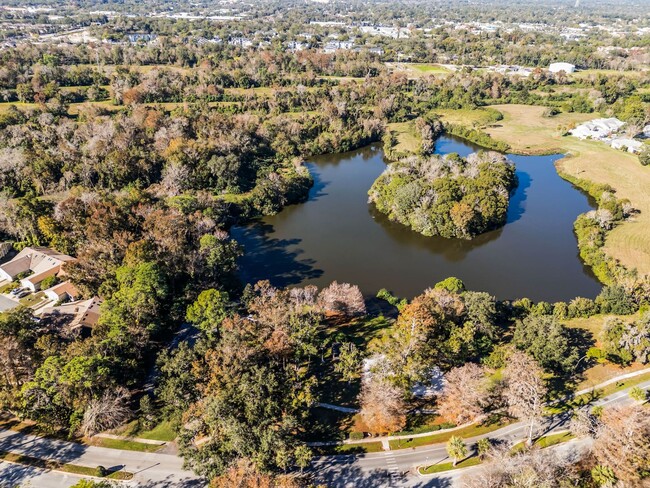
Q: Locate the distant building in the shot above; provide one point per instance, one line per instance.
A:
(296, 46)
(133, 38)
(630, 145)
(558, 67)
(241, 42)
(40, 262)
(597, 129)
(334, 46)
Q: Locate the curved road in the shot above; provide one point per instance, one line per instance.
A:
(156, 470)
(397, 468)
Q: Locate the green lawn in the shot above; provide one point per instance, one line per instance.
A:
(545, 441)
(164, 431)
(33, 299)
(466, 432)
(428, 68)
(366, 447)
(441, 467)
(587, 398)
(54, 465)
(124, 445)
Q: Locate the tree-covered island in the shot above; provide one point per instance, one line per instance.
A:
(447, 196)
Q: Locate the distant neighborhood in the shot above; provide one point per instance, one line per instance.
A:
(609, 131)
(36, 278)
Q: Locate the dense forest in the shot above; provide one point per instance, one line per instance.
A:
(447, 196)
(137, 158)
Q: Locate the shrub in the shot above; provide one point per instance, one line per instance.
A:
(49, 282)
(644, 155)
(100, 471)
(452, 284)
(614, 300)
(638, 394)
(581, 307)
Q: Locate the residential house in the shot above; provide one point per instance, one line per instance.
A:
(598, 129)
(630, 145)
(62, 292)
(333, 46)
(566, 67)
(81, 314)
(39, 262)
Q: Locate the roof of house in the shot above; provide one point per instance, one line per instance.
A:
(65, 288)
(84, 313)
(37, 259)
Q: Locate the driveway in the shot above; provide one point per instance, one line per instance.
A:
(6, 304)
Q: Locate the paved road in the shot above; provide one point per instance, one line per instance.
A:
(156, 470)
(397, 468)
(150, 469)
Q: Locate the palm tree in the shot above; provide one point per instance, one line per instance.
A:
(456, 449)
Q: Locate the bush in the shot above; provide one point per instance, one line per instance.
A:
(49, 282)
(387, 296)
(644, 155)
(452, 284)
(100, 471)
(356, 436)
(638, 394)
(582, 308)
(614, 300)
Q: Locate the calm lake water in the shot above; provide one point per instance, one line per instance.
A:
(337, 235)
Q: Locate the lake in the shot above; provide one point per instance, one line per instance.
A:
(337, 235)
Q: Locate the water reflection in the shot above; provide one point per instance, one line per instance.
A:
(336, 235)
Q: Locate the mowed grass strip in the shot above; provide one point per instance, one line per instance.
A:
(64, 467)
(545, 441)
(466, 432)
(442, 467)
(124, 444)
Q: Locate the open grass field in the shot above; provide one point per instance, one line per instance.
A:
(529, 132)
(474, 118)
(407, 140)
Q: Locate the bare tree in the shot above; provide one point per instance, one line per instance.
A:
(623, 441)
(463, 393)
(382, 407)
(535, 468)
(106, 412)
(342, 298)
(524, 390)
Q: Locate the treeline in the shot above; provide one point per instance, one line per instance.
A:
(446, 196)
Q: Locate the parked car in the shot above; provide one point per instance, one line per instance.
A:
(22, 294)
(16, 291)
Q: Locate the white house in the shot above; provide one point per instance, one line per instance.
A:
(334, 46)
(62, 291)
(598, 129)
(630, 145)
(566, 67)
(40, 262)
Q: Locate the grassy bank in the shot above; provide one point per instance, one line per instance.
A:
(63, 467)
(527, 131)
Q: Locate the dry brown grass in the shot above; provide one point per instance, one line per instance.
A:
(529, 132)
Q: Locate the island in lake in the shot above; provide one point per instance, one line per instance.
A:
(447, 196)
